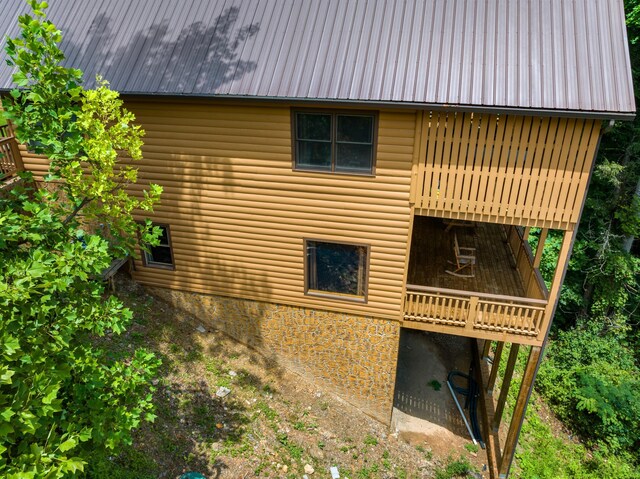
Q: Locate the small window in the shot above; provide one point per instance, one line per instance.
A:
(161, 255)
(336, 269)
(334, 142)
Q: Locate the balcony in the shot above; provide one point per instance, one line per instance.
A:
(505, 300)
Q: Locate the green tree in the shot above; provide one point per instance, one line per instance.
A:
(602, 281)
(590, 377)
(62, 395)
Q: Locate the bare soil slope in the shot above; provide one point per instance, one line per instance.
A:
(228, 412)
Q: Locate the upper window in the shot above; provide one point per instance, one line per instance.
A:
(335, 142)
(336, 269)
(161, 255)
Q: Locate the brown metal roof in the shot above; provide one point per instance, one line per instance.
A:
(558, 55)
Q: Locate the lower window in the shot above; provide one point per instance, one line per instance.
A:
(161, 255)
(336, 269)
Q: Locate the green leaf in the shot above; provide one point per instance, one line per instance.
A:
(74, 464)
(10, 345)
(68, 444)
(7, 414)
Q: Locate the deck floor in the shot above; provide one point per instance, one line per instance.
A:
(432, 248)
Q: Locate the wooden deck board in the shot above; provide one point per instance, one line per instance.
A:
(432, 247)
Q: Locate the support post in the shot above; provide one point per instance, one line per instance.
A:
(558, 277)
(494, 368)
(539, 250)
(519, 411)
(535, 355)
(506, 385)
(486, 348)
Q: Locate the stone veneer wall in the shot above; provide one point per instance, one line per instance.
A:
(352, 356)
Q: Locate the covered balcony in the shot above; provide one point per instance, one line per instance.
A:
(493, 291)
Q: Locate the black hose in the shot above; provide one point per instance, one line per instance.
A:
(471, 393)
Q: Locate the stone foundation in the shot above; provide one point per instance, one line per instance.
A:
(352, 356)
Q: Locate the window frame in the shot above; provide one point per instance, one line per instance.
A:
(153, 264)
(374, 114)
(335, 295)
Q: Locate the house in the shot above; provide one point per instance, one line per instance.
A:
(323, 162)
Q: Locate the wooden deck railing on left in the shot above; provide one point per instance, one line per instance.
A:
(473, 314)
(10, 158)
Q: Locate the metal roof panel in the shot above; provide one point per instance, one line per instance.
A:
(562, 55)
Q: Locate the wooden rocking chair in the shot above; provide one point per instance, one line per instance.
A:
(465, 260)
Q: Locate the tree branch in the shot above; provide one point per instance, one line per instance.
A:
(76, 210)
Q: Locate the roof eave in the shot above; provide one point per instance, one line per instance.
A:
(495, 109)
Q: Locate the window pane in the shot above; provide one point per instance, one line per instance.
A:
(314, 154)
(159, 254)
(313, 126)
(339, 268)
(350, 157)
(355, 128)
(164, 236)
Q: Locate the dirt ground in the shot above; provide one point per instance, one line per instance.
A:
(271, 422)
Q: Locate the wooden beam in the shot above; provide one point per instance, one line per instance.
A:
(494, 368)
(419, 152)
(506, 385)
(486, 349)
(558, 277)
(519, 412)
(491, 438)
(556, 284)
(539, 250)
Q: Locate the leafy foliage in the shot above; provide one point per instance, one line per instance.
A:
(62, 397)
(590, 377)
(83, 132)
(542, 455)
(592, 372)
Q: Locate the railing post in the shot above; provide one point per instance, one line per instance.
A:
(473, 313)
(15, 152)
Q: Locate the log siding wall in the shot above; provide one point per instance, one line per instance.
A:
(238, 212)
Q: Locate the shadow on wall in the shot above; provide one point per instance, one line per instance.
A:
(201, 57)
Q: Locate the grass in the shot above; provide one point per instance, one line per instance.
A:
(370, 441)
(128, 464)
(542, 454)
(435, 384)
(454, 468)
(472, 448)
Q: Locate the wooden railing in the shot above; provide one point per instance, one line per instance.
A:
(10, 158)
(468, 312)
(532, 282)
(523, 170)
